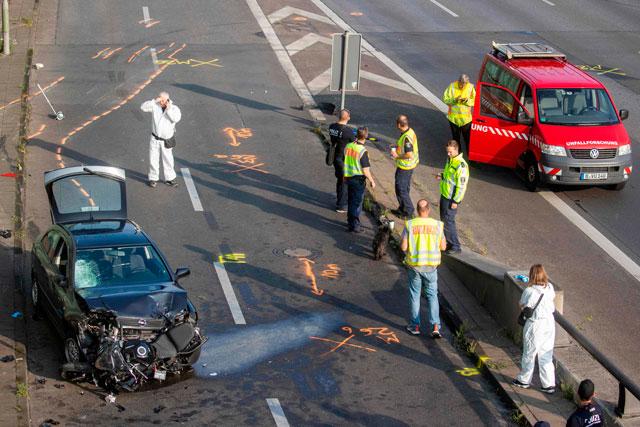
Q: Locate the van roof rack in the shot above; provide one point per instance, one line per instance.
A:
(526, 50)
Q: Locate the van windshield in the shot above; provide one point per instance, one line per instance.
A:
(575, 107)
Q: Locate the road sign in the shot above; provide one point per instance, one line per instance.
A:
(345, 63)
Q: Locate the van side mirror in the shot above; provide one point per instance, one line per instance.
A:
(182, 272)
(524, 119)
(624, 114)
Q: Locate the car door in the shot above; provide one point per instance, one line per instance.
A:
(500, 128)
(59, 275)
(86, 193)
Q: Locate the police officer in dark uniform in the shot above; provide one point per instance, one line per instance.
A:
(341, 135)
(588, 413)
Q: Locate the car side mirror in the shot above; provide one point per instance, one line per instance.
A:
(182, 272)
(624, 114)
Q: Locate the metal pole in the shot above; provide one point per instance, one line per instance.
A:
(343, 76)
(6, 47)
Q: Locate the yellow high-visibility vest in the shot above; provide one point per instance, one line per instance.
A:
(424, 236)
(413, 161)
(455, 178)
(459, 114)
(352, 154)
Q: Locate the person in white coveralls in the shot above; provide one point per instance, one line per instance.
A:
(165, 115)
(539, 333)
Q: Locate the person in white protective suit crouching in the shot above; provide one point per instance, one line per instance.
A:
(539, 333)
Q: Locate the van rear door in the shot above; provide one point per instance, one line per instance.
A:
(500, 127)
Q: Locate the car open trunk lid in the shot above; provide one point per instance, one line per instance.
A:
(86, 193)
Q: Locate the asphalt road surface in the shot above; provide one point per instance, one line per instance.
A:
(324, 340)
(513, 226)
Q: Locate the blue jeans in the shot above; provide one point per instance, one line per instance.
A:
(403, 186)
(448, 216)
(356, 186)
(341, 183)
(428, 282)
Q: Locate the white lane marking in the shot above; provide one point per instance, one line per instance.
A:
(277, 412)
(287, 11)
(599, 239)
(305, 42)
(191, 188)
(441, 6)
(281, 54)
(145, 14)
(387, 81)
(236, 312)
(320, 83)
(554, 200)
(416, 85)
(548, 2)
(154, 58)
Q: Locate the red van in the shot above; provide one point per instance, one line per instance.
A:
(550, 121)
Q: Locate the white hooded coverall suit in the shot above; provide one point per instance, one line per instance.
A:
(164, 126)
(538, 335)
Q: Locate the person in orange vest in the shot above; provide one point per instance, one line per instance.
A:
(460, 97)
(422, 241)
(405, 153)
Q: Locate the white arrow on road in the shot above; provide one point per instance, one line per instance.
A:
(287, 11)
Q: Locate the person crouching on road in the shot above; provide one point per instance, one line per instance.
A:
(460, 97)
(405, 152)
(539, 333)
(453, 185)
(422, 241)
(165, 115)
(356, 172)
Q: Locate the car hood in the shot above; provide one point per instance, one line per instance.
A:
(610, 136)
(142, 301)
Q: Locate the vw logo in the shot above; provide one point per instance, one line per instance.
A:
(142, 322)
(594, 153)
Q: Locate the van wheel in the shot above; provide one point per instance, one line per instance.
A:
(531, 175)
(617, 187)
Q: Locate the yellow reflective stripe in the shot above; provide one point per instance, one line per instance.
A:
(415, 159)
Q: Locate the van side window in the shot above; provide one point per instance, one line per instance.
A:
(526, 98)
(498, 103)
(497, 75)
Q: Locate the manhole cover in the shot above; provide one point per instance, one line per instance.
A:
(298, 253)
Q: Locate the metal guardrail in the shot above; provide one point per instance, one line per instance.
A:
(624, 382)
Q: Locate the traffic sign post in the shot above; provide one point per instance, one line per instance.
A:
(345, 63)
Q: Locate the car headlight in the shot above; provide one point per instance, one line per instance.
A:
(624, 149)
(553, 150)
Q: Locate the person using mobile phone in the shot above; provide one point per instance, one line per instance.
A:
(460, 97)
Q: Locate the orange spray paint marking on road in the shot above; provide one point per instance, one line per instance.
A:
(343, 343)
(150, 23)
(312, 277)
(331, 272)
(50, 85)
(136, 53)
(38, 132)
(234, 134)
(381, 333)
(109, 54)
(100, 52)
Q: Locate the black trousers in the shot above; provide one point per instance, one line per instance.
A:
(459, 132)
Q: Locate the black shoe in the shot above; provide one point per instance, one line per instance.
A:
(436, 333)
(519, 384)
(152, 184)
(397, 212)
(453, 251)
(172, 183)
(548, 390)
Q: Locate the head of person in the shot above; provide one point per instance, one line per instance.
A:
(538, 275)
(402, 122)
(453, 148)
(462, 80)
(586, 390)
(423, 208)
(344, 115)
(163, 99)
(542, 424)
(362, 133)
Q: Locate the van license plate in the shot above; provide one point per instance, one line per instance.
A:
(589, 176)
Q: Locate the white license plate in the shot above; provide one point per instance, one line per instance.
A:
(160, 375)
(589, 176)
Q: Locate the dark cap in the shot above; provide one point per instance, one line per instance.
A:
(586, 390)
(542, 424)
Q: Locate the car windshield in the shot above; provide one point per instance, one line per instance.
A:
(575, 107)
(117, 266)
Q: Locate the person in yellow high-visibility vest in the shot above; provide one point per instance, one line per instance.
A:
(460, 97)
(422, 241)
(405, 153)
(453, 186)
(356, 173)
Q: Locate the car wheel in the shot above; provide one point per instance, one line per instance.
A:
(532, 175)
(617, 187)
(72, 352)
(35, 300)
